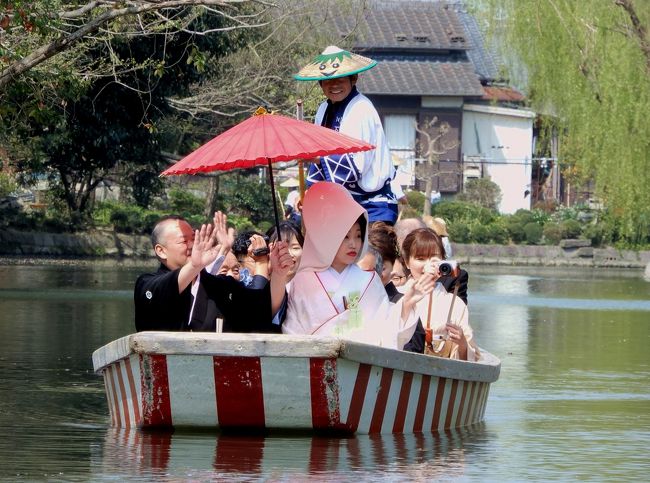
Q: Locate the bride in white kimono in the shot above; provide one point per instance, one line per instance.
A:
(330, 294)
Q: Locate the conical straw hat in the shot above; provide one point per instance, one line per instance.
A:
(333, 63)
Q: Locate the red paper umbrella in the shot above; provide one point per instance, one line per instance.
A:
(264, 139)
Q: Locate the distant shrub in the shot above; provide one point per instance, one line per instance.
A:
(127, 218)
(453, 211)
(185, 203)
(459, 232)
(240, 223)
(595, 233)
(533, 232)
(479, 233)
(149, 220)
(571, 229)
(483, 192)
(515, 230)
(415, 200)
(552, 233)
(498, 233)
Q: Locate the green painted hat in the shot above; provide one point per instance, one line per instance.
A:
(333, 63)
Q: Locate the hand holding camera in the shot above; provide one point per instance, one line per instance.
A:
(443, 268)
(257, 246)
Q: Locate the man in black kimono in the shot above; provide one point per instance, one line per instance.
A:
(164, 300)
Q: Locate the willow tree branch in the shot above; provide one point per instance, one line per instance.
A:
(639, 29)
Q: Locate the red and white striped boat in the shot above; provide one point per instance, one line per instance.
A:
(265, 381)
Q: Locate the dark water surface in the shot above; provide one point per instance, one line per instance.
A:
(572, 402)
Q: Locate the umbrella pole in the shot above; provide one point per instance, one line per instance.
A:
(301, 165)
(275, 202)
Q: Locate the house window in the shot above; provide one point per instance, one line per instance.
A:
(400, 134)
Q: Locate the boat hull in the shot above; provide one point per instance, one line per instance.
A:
(275, 382)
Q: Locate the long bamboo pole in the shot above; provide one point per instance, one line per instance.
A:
(301, 165)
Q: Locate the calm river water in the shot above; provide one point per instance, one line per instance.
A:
(572, 402)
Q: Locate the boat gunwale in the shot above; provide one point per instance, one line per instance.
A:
(292, 346)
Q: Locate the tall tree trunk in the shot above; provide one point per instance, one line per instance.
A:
(428, 188)
(211, 199)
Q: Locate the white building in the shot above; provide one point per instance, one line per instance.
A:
(501, 140)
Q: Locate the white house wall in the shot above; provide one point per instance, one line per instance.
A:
(503, 139)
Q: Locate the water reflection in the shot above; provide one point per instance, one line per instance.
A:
(572, 402)
(163, 455)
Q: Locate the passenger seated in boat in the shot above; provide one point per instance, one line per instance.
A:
(243, 247)
(381, 256)
(330, 294)
(164, 299)
(290, 232)
(423, 252)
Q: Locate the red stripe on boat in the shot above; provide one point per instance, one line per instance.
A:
(239, 391)
(382, 399)
(452, 401)
(437, 408)
(403, 402)
(156, 409)
(422, 403)
(358, 395)
(134, 393)
(324, 393)
(116, 406)
(125, 401)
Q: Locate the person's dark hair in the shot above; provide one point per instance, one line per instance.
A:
(422, 242)
(242, 242)
(288, 229)
(382, 238)
(363, 224)
(159, 228)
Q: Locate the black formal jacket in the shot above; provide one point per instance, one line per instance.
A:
(159, 306)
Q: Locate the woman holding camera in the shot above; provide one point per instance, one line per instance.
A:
(444, 315)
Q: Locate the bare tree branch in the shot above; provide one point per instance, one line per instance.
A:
(114, 10)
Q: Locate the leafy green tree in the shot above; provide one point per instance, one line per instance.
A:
(587, 63)
(79, 132)
(483, 192)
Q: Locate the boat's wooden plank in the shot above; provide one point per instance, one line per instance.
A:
(287, 397)
(281, 345)
(486, 370)
(203, 343)
(192, 399)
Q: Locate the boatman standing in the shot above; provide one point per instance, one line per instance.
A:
(366, 175)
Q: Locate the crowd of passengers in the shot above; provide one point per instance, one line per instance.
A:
(367, 282)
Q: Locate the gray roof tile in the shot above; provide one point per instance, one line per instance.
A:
(410, 78)
(407, 25)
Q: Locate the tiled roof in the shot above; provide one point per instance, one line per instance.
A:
(405, 25)
(503, 94)
(484, 60)
(408, 78)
